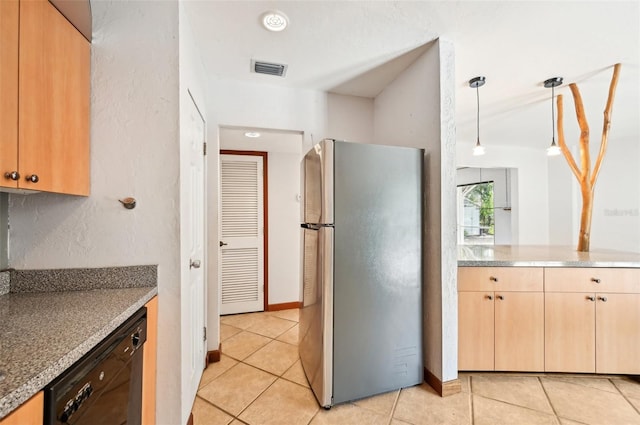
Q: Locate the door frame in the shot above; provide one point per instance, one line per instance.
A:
(265, 215)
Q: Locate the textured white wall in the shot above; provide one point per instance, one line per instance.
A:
(134, 152)
(284, 228)
(417, 109)
(350, 118)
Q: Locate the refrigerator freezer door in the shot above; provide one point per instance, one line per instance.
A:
(318, 184)
(316, 316)
(378, 270)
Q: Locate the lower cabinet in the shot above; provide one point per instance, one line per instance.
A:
(592, 320)
(500, 319)
(31, 412)
(618, 333)
(592, 333)
(519, 331)
(476, 345)
(587, 320)
(501, 331)
(149, 365)
(570, 332)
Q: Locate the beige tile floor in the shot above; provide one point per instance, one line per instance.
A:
(259, 380)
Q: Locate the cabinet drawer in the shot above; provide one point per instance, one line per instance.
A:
(570, 279)
(529, 279)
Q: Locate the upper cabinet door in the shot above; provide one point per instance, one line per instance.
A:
(9, 19)
(54, 90)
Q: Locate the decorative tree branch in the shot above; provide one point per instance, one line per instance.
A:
(585, 176)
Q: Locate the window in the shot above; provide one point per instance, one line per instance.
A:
(476, 221)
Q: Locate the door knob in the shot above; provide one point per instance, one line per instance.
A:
(194, 264)
(33, 178)
(223, 243)
(591, 298)
(603, 299)
(500, 297)
(13, 175)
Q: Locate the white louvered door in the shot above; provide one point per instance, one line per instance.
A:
(242, 233)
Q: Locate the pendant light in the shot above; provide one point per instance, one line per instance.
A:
(554, 149)
(475, 83)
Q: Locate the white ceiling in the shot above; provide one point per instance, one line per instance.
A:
(357, 47)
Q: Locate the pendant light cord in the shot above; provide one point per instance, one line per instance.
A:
(553, 118)
(477, 115)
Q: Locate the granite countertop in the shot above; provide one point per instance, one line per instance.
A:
(43, 333)
(542, 256)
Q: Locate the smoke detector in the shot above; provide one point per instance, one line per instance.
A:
(269, 68)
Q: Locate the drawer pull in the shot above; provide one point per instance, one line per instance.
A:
(591, 298)
(595, 279)
(493, 279)
(603, 299)
(500, 297)
(489, 297)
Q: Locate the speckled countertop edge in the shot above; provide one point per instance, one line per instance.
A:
(543, 256)
(4, 283)
(48, 280)
(542, 263)
(35, 383)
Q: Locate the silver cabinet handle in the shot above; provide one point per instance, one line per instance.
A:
(489, 297)
(500, 297)
(591, 298)
(13, 175)
(595, 279)
(33, 178)
(223, 243)
(194, 264)
(603, 299)
(493, 279)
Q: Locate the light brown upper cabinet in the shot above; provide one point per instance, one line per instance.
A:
(500, 318)
(44, 106)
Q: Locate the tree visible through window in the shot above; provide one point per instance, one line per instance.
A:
(476, 222)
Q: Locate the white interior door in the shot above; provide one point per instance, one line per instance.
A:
(242, 233)
(195, 226)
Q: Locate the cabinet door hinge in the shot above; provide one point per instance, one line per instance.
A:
(204, 336)
(204, 148)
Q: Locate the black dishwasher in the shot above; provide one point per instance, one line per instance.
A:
(104, 386)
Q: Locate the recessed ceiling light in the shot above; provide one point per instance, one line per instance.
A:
(252, 134)
(274, 20)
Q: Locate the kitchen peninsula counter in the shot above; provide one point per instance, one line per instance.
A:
(548, 309)
(45, 332)
(542, 256)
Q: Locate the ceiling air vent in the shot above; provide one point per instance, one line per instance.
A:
(268, 68)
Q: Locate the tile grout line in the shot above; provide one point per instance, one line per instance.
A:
(217, 407)
(544, 390)
(624, 396)
(263, 391)
(393, 408)
(471, 406)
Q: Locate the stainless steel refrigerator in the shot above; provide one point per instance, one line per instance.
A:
(361, 321)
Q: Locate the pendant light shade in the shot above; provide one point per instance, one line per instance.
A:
(475, 83)
(552, 83)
